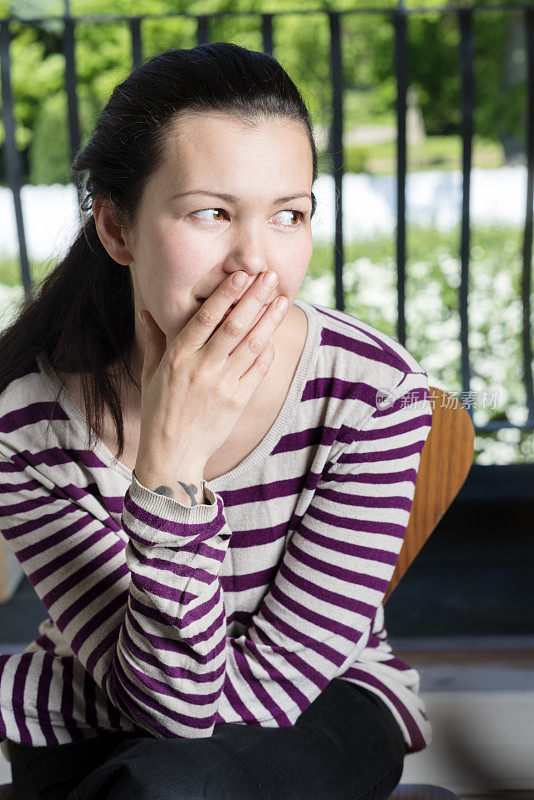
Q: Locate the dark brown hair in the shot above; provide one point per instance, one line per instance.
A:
(82, 317)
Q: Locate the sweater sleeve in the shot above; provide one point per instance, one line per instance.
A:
(146, 619)
(317, 615)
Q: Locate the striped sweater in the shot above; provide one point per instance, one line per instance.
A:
(170, 619)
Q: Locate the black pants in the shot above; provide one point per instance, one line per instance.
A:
(346, 746)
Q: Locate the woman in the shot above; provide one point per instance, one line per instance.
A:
(208, 490)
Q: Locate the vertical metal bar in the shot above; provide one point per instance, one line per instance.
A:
(72, 98)
(466, 67)
(137, 47)
(202, 29)
(526, 282)
(336, 139)
(12, 159)
(401, 73)
(267, 33)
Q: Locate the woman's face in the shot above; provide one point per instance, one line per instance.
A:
(188, 238)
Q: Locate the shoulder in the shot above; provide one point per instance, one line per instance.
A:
(26, 388)
(357, 367)
(43, 438)
(360, 346)
(27, 403)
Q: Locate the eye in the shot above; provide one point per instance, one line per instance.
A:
(202, 210)
(300, 215)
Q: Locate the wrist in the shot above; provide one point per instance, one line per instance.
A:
(187, 489)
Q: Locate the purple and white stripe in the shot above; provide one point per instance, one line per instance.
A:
(172, 619)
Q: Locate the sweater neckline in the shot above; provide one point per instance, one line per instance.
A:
(260, 451)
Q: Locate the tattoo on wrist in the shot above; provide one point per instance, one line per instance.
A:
(190, 488)
(164, 490)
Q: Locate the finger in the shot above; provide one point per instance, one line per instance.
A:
(241, 320)
(246, 353)
(250, 381)
(212, 309)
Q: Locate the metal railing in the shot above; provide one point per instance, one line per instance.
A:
(398, 17)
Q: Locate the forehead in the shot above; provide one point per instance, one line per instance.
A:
(219, 149)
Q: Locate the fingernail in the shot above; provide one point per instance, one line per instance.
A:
(269, 278)
(141, 320)
(239, 279)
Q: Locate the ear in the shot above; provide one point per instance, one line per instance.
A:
(109, 232)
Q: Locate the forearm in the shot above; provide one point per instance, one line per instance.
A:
(168, 670)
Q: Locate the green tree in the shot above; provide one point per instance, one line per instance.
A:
(301, 44)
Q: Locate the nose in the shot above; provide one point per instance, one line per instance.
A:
(247, 253)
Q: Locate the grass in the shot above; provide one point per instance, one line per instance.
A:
(10, 274)
(435, 152)
(358, 110)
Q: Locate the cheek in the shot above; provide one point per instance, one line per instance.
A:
(169, 259)
(187, 253)
(298, 262)
(307, 250)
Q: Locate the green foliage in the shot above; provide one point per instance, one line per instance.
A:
(301, 44)
(307, 63)
(500, 90)
(26, 59)
(49, 157)
(434, 70)
(10, 274)
(355, 157)
(369, 60)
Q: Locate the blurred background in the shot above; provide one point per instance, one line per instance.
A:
(424, 120)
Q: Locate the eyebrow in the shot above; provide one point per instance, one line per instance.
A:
(230, 198)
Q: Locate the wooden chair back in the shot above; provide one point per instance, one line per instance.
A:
(446, 459)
